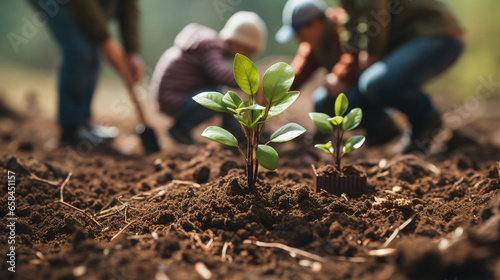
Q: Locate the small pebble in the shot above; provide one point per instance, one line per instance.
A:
(316, 267)
(202, 270)
(79, 271)
(397, 189)
(306, 263)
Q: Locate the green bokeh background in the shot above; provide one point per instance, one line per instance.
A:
(162, 20)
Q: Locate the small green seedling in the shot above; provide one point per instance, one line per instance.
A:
(337, 126)
(276, 84)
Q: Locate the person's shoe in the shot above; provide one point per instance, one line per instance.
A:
(180, 136)
(93, 133)
(384, 132)
(419, 139)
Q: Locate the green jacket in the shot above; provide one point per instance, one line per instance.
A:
(93, 17)
(380, 26)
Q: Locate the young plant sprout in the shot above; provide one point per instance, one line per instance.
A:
(275, 84)
(337, 126)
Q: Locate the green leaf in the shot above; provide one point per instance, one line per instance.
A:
(341, 104)
(285, 102)
(220, 135)
(245, 74)
(336, 120)
(353, 143)
(231, 100)
(256, 121)
(267, 157)
(212, 100)
(353, 119)
(240, 119)
(327, 148)
(245, 103)
(247, 118)
(255, 107)
(322, 122)
(277, 81)
(287, 133)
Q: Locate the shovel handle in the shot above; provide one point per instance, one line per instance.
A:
(137, 105)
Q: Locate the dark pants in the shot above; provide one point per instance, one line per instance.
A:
(79, 68)
(396, 81)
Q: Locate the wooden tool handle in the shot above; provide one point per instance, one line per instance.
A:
(137, 104)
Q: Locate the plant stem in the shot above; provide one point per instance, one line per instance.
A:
(244, 157)
(257, 138)
(337, 146)
(251, 159)
(341, 153)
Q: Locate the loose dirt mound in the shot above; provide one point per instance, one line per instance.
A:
(148, 217)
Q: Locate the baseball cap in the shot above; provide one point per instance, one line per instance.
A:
(296, 14)
(247, 29)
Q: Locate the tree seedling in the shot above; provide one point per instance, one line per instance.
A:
(276, 84)
(337, 126)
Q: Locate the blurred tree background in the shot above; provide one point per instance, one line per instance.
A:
(162, 20)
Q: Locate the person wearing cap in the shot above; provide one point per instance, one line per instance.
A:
(389, 50)
(196, 63)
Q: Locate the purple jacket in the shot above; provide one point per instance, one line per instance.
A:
(195, 62)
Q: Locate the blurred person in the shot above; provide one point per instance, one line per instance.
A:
(197, 63)
(387, 49)
(80, 29)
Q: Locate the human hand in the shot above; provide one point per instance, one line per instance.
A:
(115, 55)
(136, 67)
(335, 86)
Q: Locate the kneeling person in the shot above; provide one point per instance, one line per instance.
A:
(197, 63)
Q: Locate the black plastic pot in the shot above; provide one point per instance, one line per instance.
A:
(351, 185)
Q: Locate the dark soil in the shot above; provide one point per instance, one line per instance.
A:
(346, 170)
(183, 206)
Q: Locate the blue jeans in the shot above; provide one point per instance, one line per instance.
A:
(79, 69)
(396, 81)
(190, 114)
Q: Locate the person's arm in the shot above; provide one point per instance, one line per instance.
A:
(128, 19)
(303, 65)
(217, 69)
(344, 74)
(116, 56)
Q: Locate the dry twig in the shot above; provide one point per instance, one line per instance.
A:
(61, 200)
(382, 252)
(122, 230)
(110, 211)
(158, 191)
(200, 243)
(42, 258)
(286, 248)
(400, 228)
(224, 255)
(35, 177)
